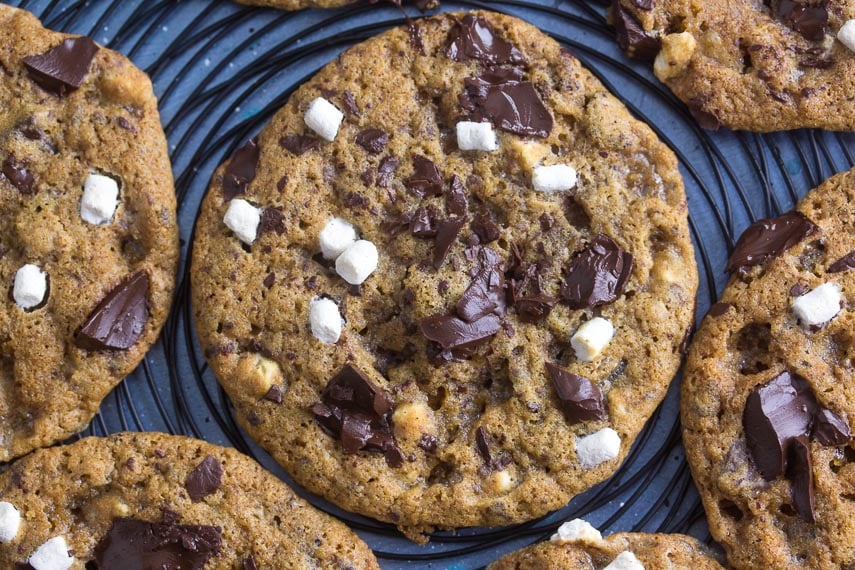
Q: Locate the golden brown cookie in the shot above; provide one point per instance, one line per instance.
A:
(442, 337)
(767, 396)
(88, 235)
(300, 4)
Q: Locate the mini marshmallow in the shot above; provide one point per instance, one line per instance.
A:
(476, 136)
(243, 219)
(357, 262)
(555, 178)
(52, 555)
(819, 305)
(626, 560)
(591, 338)
(598, 447)
(846, 34)
(336, 237)
(30, 286)
(325, 320)
(100, 199)
(10, 521)
(324, 118)
(577, 529)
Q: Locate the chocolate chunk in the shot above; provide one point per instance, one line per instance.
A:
(119, 319)
(631, 36)
(33, 132)
(274, 394)
(349, 103)
(272, 220)
(299, 144)
(18, 175)
(446, 233)
(133, 543)
(387, 167)
(719, 309)
(426, 179)
(484, 227)
(807, 17)
(473, 38)
(205, 479)
(513, 106)
(62, 68)
(845, 263)
(249, 563)
(456, 203)
(643, 4)
(454, 333)
(706, 119)
(373, 140)
(269, 281)
(830, 429)
(580, 398)
(486, 293)
(483, 442)
(597, 275)
(126, 124)
(769, 238)
(428, 443)
(423, 223)
(800, 474)
(534, 309)
(240, 170)
(816, 63)
(798, 290)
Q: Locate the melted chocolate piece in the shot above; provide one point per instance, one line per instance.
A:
(18, 175)
(800, 474)
(249, 563)
(423, 222)
(274, 394)
(446, 233)
(483, 443)
(513, 106)
(454, 333)
(387, 167)
(706, 119)
(484, 227)
(473, 38)
(62, 68)
(373, 140)
(534, 309)
(580, 398)
(133, 544)
(845, 263)
(426, 179)
(299, 144)
(719, 309)
(798, 290)
(807, 17)
(486, 293)
(456, 203)
(830, 429)
(631, 36)
(272, 220)
(240, 170)
(205, 479)
(769, 238)
(597, 275)
(119, 319)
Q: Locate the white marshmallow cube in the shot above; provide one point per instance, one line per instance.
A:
(626, 560)
(337, 236)
(577, 529)
(476, 136)
(819, 305)
(30, 286)
(243, 219)
(600, 446)
(325, 320)
(846, 34)
(52, 555)
(357, 262)
(555, 178)
(100, 199)
(324, 118)
(10, 521)
(591, 338)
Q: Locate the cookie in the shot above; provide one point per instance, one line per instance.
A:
(434, 336)
(300, 4)
(162, 501)
(579, 546)
(755, 66)
(766, 399)
(88, 234)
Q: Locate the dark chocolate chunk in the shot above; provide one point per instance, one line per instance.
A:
(643, 4)
(18, 175)
(426, 179)
(845, 263)
(816, 63)
(446, 233)
(274, 394)
(249, 563)
(62, 68)
(240, 170)
(807, 17)
(269, 281)
(631, 36)
(473, 38)
(272, 220)
(513, 106)
(131, 544)
(454, 333)
(299, 144)
(456, 203)
(580, 398)
(349, 103)
(830, 429)
(119, 319)
(535, 308)
(385, 170)
(205, 479)
(424, 221)
(373, 140)
(597, 275)
(428, 443)
(486, 293)
(719, 309)
(800, 474)
(769, 238)
(33, 132)
(705, 118)
(483, 442)
(484, 227)
(798, 290)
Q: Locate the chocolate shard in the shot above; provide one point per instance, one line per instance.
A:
(62, 68)
(474, 38)
(423, 222)
(769, 238)
(581, 400)
(241, 169)
(133, 543)
(446, 233)
(426, 179)
(807, 17)
(535, 308)
(830, 429)
(299, 144)
(483, 443)
(274, 394)
(513, 106)
(205, 479)
(705, 118)
(718, 309)
(800, 474)
(631, 36)
(249, 563)
(454, 333)
(272, 220)
(456, 203)
(484, 227)
(385, 170)
(486, 293)
(597, 275)
(18, 175)
(845, 263)
(373, 140)
(118, 321)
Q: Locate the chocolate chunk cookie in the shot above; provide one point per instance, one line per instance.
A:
(88, 234)
(300, 4)
(749, 65)
(449, 282)
(767, 400)
(160, 501)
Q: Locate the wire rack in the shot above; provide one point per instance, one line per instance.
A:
(221, 71)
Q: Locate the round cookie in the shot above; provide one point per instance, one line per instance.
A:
(88, 234)
(423, 334)
(756, 66)
(767, 396)
(163, 501)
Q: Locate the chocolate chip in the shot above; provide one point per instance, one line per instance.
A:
(119, 319)
(18, 175)
(428, 443)
(798, 290)
(513, 106)
(484, 227)
(269, 281)
(424, 222)
(32, 131)
(299, 144)
(718, 309)
(845, 263)
(474, 38)
(349, 103)
(483, 442)
(769, 238)
(456, 203)
(706, 119)
(274, 394)
(830, 429)
(581, 400)
(240, 170)
(807, 17)
(631, 36)
(373, 140)
(446, 233)
(385, 170)
(816, 63)
(546, 222)
(63, 68)
(800, 474)
(126, 124)
(205, 479)
(272, 220)
(426, 179)
(132, 543)
(355, 201)
(249, 563)
(597, 275)
(534, 309)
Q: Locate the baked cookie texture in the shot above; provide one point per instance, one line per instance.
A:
(767, 397)
(747, 65)
(448, 392)
(166, 501)
(300, 4)
(76, 120)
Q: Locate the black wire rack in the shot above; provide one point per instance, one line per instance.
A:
(221, 71)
